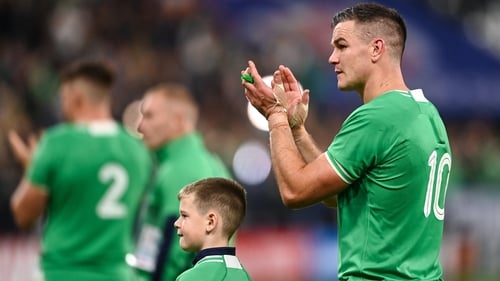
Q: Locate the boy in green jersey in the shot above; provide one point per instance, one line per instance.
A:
(387, 168)
(87, 176)
(210, 212)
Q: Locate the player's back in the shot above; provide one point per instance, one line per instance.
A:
(95, 177)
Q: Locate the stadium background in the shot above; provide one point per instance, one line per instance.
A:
(453, 53)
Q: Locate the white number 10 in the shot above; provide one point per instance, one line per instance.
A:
(436, 186)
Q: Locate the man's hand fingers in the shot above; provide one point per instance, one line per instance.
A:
(20, 149)
(32, 142)
(252, 70)
(289, 81)
(305, 96)
(16, 142)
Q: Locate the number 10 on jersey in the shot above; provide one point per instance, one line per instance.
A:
(434, 198)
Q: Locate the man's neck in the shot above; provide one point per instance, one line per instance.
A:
(93, 115)
(384, 82)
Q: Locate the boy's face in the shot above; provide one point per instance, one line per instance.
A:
(191, 225)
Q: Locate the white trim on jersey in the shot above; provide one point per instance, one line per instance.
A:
(348, 181)
(232, 262)
(418, 95)
(103, 128)
(210, 260)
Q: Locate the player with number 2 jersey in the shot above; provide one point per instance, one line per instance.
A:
(86, 176)
(94, 174)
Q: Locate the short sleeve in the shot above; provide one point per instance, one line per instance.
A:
(359, 145)
(42, 164)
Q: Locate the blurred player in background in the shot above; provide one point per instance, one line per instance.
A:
(387, 168)
(86, 176)
(169, 116)
(210, 212)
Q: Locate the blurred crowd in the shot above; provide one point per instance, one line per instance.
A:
(204, 44)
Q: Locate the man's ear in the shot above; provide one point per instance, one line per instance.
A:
(377, 49)
(77, 98)
(212, 221)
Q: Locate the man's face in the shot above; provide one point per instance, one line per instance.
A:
(350, 56)
(159, 122)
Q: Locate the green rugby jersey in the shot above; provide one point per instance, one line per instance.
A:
(216, 264)
(395, 155)
(94, 176)
(181, 162)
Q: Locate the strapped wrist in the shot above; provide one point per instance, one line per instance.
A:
(277, 119)
(277, 110)
(277, 125)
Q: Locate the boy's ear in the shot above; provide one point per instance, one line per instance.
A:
(212, 221)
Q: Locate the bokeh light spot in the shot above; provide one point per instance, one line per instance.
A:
(252, 163)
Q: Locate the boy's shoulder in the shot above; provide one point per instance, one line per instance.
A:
(216, 268)
(210, 268)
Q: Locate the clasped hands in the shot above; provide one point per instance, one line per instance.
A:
(284, 95)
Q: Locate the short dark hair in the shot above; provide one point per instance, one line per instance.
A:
(97, 72)
(226, 196)
(375, 14)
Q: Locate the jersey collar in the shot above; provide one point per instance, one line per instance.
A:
(218, 251)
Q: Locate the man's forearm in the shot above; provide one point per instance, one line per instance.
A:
(310, 151)
(286, 158)
(305, 144)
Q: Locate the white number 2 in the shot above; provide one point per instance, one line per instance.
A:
(110, 207)
(436, 185)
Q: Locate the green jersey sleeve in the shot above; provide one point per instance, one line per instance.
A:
(43, 163)
(361, 143)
